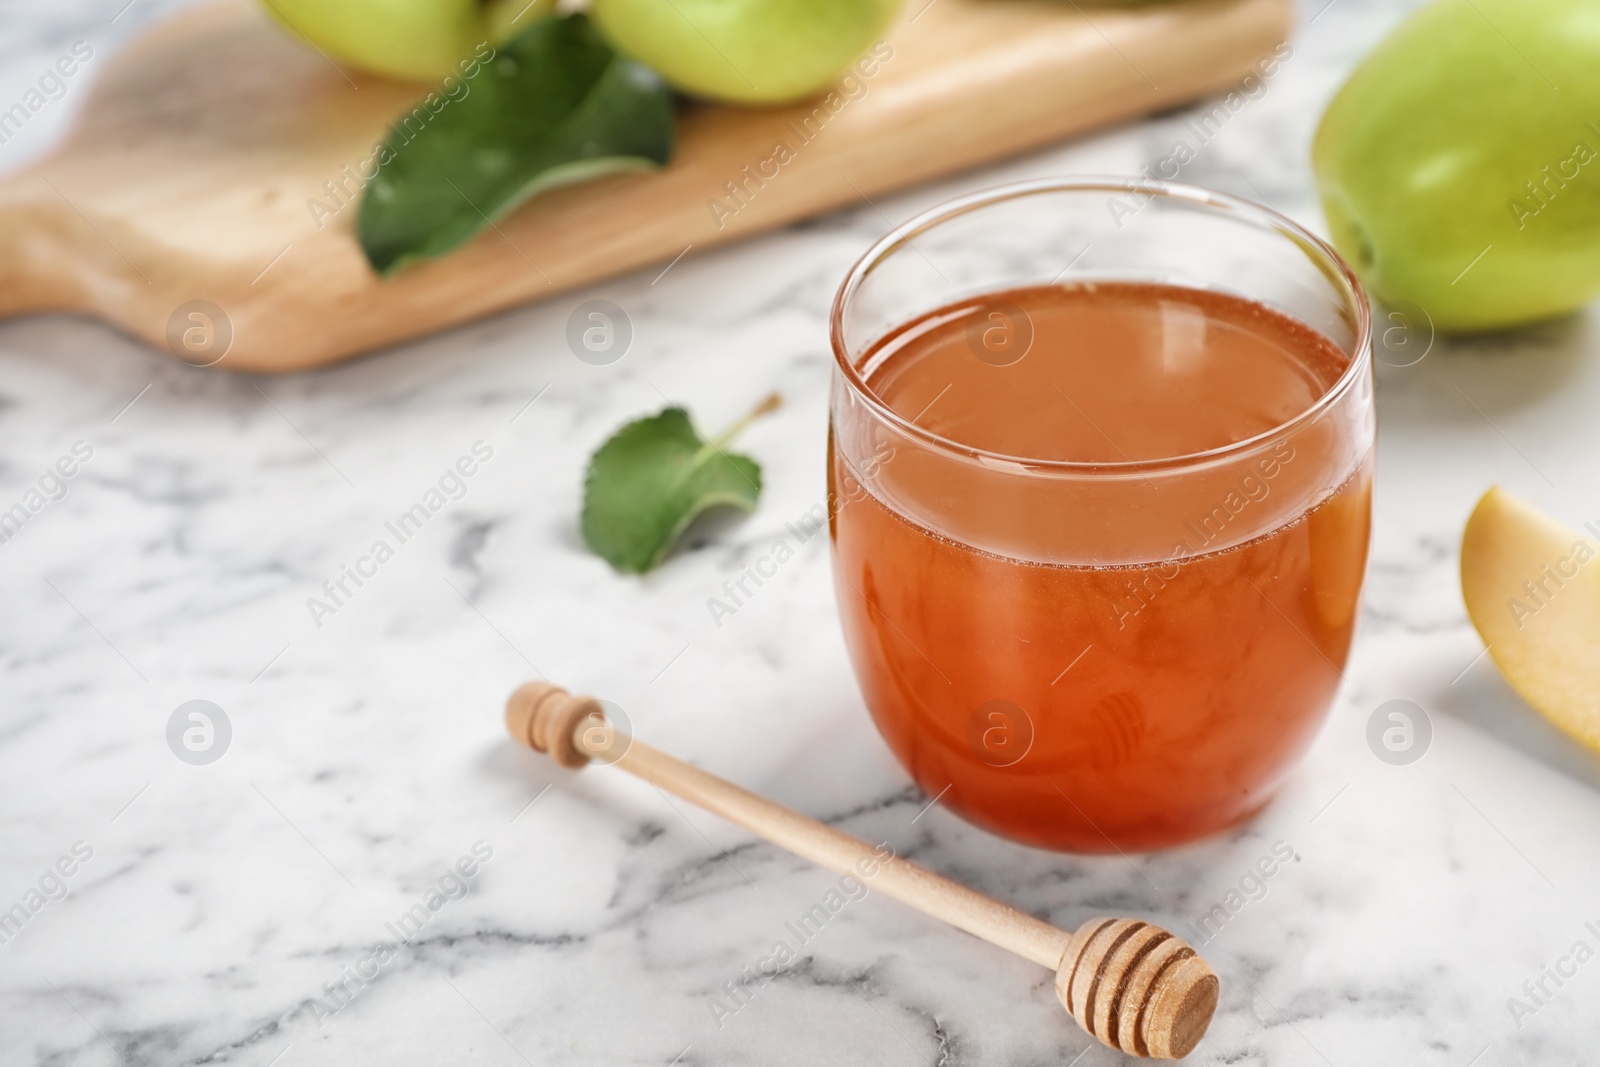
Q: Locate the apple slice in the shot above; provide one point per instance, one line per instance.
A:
(1532, 588)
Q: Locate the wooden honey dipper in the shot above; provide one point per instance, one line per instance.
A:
(1132, 985)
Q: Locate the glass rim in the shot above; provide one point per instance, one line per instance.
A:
(1323, 254)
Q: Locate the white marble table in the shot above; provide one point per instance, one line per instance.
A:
(219, 905)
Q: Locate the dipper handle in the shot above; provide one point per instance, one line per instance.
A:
(1133, 986)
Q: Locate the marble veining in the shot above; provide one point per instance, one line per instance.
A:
(246, 911)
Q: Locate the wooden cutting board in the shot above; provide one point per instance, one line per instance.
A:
(187, 185)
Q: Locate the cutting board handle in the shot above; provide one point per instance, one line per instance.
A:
(39, 247)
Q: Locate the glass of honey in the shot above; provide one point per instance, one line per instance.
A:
(1100, 475)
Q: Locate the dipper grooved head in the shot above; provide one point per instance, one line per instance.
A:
(1137, 988)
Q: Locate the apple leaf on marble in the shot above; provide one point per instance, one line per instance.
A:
(554, 106)
(654, 477)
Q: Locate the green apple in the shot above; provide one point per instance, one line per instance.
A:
(413, 39)
(1532, 588)
(745, 51)
(1460, 165)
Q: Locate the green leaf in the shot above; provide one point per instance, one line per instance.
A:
(554, 106)
(654, 477)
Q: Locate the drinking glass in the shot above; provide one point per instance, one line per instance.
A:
(1098, 655)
